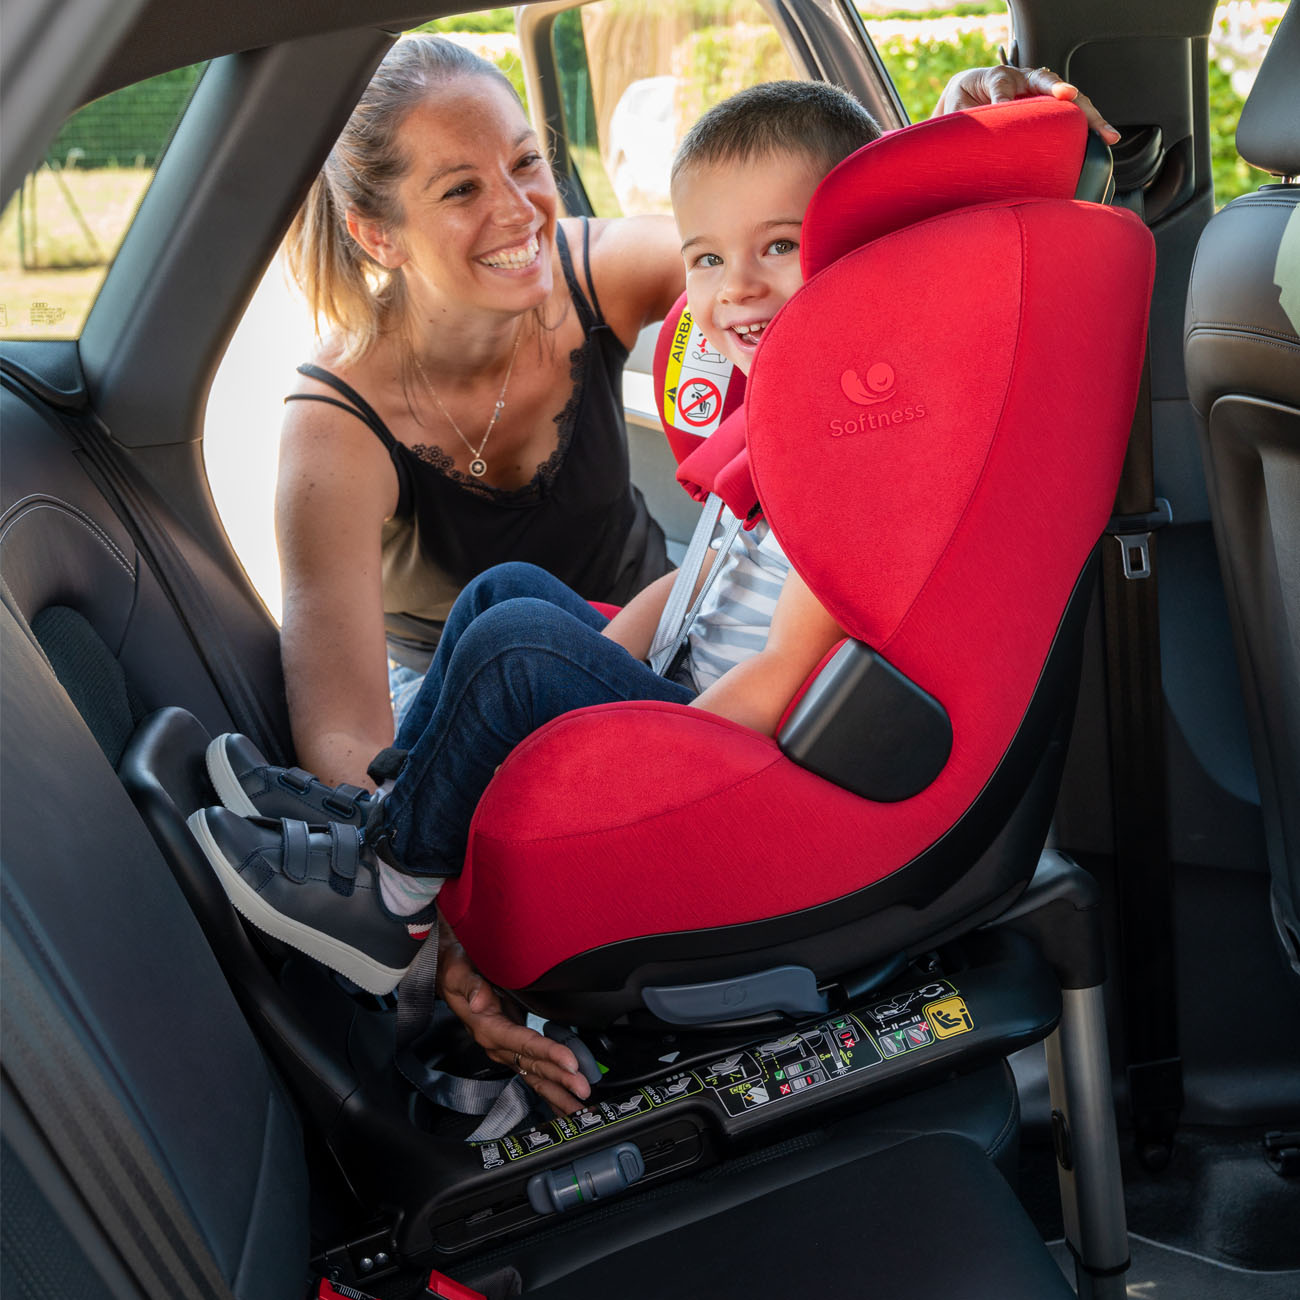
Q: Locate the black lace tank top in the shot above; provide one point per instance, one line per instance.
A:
(579, 517)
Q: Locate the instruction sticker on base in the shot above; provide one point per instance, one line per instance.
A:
(949, 1017)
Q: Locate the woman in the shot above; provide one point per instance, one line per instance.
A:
(466, 408)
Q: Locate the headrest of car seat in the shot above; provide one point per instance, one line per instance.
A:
(1268, 132)
(1028, 149)
(926, 366)
(696, 388)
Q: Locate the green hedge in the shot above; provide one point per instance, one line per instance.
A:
(129, 128)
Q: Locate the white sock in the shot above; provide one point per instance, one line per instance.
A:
(405, 895)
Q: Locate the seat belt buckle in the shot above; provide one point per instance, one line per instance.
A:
(1133, 533)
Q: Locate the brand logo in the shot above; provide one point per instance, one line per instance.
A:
(879, 386)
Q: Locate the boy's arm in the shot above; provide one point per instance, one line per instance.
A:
(633, 627)
(755, 693)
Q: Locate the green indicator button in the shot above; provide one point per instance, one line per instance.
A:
(780, 1074)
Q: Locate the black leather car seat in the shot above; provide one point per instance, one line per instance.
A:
(1242, 347)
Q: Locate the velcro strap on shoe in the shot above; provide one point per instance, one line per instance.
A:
(345, 849)
(342, 799)
(295, 779)
(295, 838)
(386, 764)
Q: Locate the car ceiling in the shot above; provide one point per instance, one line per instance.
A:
(60, 53)
(169, 33)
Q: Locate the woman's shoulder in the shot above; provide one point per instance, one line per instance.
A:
(636, 266)
(339, 397)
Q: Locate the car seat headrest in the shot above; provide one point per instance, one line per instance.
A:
(992, 345)
(1028, 149)
(1268, 132)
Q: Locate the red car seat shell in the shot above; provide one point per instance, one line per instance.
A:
(935, 426)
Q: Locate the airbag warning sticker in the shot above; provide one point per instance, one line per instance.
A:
(695, 382)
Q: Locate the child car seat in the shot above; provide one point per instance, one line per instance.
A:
(934, 425)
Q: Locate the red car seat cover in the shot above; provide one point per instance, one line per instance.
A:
(936, 425)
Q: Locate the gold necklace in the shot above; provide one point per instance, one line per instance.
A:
(477, 465)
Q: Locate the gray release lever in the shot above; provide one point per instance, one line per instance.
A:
(592, 1177)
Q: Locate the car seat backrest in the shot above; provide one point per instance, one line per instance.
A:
(943, 512)
(77, 575)
(1242, 353)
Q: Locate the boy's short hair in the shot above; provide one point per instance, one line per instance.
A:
(814, 118)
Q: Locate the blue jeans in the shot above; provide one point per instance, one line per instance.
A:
(519, 648)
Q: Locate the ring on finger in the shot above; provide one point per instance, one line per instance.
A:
(517, 1056)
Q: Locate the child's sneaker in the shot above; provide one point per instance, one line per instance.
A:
(250, 786)
(316, 890)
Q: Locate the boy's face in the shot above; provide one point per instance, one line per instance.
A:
(740, 227)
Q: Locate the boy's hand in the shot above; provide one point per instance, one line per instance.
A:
(549, 1068)
(1003, 83)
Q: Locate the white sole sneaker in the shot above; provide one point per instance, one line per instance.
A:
(361, 968)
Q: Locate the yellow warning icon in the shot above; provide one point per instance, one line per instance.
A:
(949, 1017)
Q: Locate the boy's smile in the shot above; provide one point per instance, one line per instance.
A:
(740, 226)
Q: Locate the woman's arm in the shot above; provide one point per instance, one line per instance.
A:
(636, 264)
(336, 487)
(756, 693)
(1003, 83)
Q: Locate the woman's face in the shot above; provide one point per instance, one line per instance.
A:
(478, 201)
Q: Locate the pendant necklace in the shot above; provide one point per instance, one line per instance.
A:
(477, 465)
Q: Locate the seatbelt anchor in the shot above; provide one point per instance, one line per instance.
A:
(1133, 533)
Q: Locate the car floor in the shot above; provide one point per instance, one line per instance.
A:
(1218, 1223)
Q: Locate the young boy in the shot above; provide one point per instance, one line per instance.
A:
(520, 648)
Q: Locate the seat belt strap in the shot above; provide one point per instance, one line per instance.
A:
(674, 625)
(679, 598)
(1138, 796)
(100, 1147)
(422, 1023)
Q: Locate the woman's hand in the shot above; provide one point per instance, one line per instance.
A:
(1002, 84)
(549, 1068)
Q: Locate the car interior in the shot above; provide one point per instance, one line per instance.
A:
(979, 979)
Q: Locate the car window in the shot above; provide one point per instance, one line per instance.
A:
(923, 45)
(1239, 39)
(634, 75)
(61, 230)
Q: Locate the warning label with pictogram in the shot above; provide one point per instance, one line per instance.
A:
(695, 382)
(698, 403)
(949, 1017)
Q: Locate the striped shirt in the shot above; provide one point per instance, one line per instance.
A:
(737, 612)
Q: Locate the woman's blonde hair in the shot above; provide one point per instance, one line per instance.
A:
(346, 289)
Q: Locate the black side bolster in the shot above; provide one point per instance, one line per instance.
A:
(868, 728)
